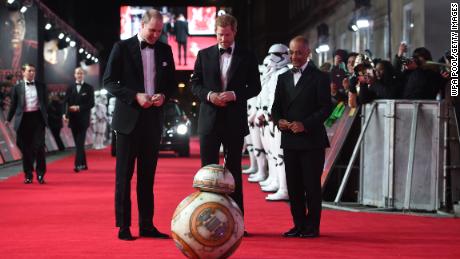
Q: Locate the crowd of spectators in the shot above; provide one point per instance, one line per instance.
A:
(358, 78)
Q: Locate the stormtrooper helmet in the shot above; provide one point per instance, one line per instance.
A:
(279, 55)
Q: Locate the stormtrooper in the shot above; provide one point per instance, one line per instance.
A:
(99, 119)
(259, 130)
(276, 181)
(252, 109)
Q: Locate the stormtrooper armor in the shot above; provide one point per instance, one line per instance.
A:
(100, 120)
(276, 181)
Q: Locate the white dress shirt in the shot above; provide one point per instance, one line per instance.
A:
(148, 64)
(299, 74)
(79, 84)
(31, 97)
(225, 62)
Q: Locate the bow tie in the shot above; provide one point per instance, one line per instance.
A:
(227, 50)
(296, 70)
(30, 83)
(145, 44)
(78, 83)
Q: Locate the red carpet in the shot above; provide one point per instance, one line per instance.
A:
(72, 216)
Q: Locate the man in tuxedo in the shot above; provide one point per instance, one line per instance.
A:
(29, 106)
(302, 104)
(140, 74)
(79, 99)
(226, 75)
(181, 32)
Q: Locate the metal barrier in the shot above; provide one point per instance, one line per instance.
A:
(403, 155)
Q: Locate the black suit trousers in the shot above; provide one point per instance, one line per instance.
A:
(233, 146)
(31, 141)
(183, 46)
(56, 131)
(79, 137)
(303, 176)
(140, 146)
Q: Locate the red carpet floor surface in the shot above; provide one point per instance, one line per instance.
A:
(72, 216)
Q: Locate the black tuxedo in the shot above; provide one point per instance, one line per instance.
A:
(79, 120)
(310, 103)
(227, 125)
(55, 111)
(138, 130)
(181, 32)
(30, 128)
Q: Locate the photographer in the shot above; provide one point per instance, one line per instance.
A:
(378, 83)
(421, 80)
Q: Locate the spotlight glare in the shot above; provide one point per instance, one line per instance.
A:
(88, 56)
(23, 9)
(67, 39)
(96, 60)
(10, 1)
(48, 26)
(323, 48)
(81, 50)
(181, 85)
(104, 91)
(61, 36)
(354, 27)
(362, 23)
(72, 44)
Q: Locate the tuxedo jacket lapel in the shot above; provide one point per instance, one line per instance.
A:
(135, 50)
(236, 59)
(297, 89)
(22, 94)
(215, 65)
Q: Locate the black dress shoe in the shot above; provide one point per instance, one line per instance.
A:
(125, 234)
(309, 234)
(153, 232)
(28, 180)
(245, 233)
(40, 179)
(84, 167)
(293, 232)
(76, 169)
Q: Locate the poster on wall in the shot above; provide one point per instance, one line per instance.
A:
(8, 149)
(18, 37)
(60, 61)
(202, 20)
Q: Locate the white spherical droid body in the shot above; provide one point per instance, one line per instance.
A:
(208, 223)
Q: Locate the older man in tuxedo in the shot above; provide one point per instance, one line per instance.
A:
(140, 74)
(29, 107)
(226, 75)
(79, 100)
(302, 104)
